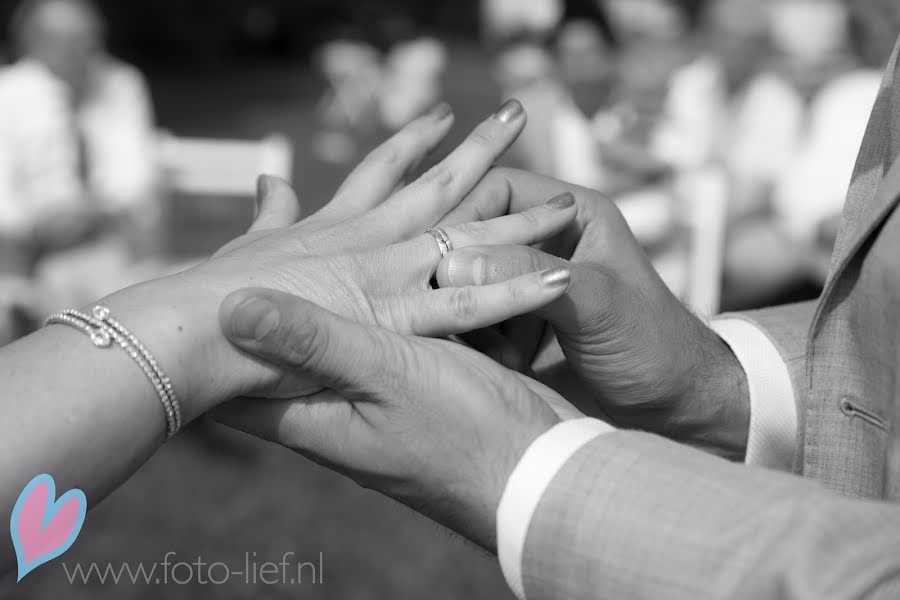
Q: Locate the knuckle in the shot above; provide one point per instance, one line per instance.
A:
(483, 137)
(439, 175)
(475, 229)
(388, 153)
(530, 219)
(515, 293)
(464, 303)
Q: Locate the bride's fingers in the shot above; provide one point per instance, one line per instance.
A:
(425, 201)
(458, 310)
(523, 229)
(378, 175)
(277, 204)
(490, 198)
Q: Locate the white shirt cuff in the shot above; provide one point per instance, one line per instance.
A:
(529, 480)
(772, 438)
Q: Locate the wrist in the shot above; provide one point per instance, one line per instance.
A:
(714, 409)
(175, 318)
(476, 518)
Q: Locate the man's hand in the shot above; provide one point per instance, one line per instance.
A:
(430, 423)
(648, 362)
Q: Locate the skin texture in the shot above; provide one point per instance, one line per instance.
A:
(89, 417)
(431, 423)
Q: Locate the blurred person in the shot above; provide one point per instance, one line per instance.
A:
(414, 67)
(352, 69)
(556, 57)
(793, 176)
(77, 144)
(778, 104)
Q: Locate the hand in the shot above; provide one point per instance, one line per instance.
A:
(431, 423)
(363, 255)
(646, 360)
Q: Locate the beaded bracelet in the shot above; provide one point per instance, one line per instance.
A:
(103, 330)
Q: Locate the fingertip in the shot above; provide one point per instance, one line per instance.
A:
(563, 201)
(249, 316)
(440, 113)
(509, 111)
(556, 279)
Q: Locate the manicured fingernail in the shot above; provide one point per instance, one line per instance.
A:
(254, 318)
(562, 201)
(555, 278)
(441, 111)
(465, 269)
(263, 185)
(510, 110)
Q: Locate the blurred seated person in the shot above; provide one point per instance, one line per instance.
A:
(414, 67)
(556, 57)
(780, 103)
(77, 145)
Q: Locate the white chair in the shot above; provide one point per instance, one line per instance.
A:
(218, 167)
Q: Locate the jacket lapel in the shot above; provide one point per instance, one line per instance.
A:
(875, 185)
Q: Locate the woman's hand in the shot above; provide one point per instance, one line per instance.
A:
(363, 255)
(647, 361)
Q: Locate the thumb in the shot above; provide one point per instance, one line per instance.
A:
(300, 337)
(276, 204)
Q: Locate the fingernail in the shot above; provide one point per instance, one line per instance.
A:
(263, 186)
(510, 110)
(254, 318)
(555, 278)
(441, 111)
(562, 201)
(465, 269)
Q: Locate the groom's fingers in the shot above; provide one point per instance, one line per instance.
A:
(299, 336)
(277, 204)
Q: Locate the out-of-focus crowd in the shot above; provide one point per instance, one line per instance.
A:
(78, 172)
(755, 109)
(736, 121)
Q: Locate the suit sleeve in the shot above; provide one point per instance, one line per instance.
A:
(788, 329)
(632, 515)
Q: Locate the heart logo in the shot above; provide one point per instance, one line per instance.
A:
(42, 527)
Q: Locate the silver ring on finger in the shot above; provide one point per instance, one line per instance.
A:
(445, 246)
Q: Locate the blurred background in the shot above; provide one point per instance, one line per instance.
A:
(131, 133)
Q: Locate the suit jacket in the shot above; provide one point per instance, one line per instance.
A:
(633, 515)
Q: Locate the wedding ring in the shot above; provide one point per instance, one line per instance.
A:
(445, 246)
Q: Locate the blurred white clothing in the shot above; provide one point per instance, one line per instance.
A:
(43, 142)
(815, 186)
(505, 18)
(576, 156)
(755, 135)
(769, 137)
(412, 80)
